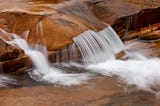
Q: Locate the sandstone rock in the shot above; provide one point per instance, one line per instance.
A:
(54, 32)
(110, 10)
(12, 59)
(145, 40)
(18, 65)
(55, 23)
(8, 52)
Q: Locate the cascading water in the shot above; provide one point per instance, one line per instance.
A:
(37, 57)
(42, 68)
(142, 73)
(94, 48)
(99, 47)
(41, 40)
(138, 70)
(113, 39)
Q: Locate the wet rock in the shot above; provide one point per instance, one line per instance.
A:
(18, 65)
(54, 32)
(12, 59)
(136, 21)
(133, 99)
(146, 40)
(18, 22)
(99, 92)
(9, 52)
(10, 55)
(109, 11)
(145, 33)
(66, 54)
(94, 94)
(55, 23)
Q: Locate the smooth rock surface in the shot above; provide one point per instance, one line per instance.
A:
(55, 23)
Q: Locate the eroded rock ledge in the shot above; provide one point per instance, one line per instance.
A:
(56, 23)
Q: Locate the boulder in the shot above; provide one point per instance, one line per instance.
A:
(12, 59)
(54, 23)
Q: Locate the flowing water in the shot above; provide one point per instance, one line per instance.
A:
(113, 39)
(94, 48)
(144, 74)
(98, 49)
(6, 80)
(43, 71)
(138, 71)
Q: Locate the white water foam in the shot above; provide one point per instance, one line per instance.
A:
(139, 71)
(142, 72)
(43, 70)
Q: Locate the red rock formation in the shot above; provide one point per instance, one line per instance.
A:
(12, 59)
(55, 23)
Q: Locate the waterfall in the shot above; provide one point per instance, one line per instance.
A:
(93, 47)
(99, 47)
(113, 39)
(138, 71)
(43, 71)
(37, 57)
(40, 44)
